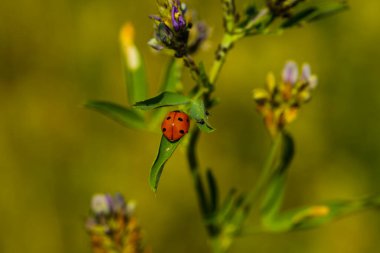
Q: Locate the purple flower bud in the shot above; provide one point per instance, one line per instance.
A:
(155, 17)
(118, 203)
(177, 19)
(290, 73)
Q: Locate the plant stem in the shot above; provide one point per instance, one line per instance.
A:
(219, 245)
(194, 70)
(220, 56)
(194, 169)
(265, 173)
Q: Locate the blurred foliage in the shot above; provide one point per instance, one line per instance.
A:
(54, 55)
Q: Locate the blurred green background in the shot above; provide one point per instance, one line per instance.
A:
(54, 155)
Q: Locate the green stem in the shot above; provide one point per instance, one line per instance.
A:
(265, 173)
(229, 15)
(194, 70)
(219, 244)
(194, 169)
(220, 56)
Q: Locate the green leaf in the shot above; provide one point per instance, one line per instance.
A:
(298, 17)
(197, 112)
(134, 74)
(213, 190)
(313, 216)
(250, 12)
(124, 116)
(164, 153)
(227, 208)
(327, 9)
(304, 217)
(275, 190)
(317, 215)
(162, 100)
(172, 81)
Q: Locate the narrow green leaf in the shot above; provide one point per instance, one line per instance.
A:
(227, 207)
(125, 116)
(275, 190)
(317, 215)
(287, 152)
(172, 81)
(298, 17)
(164, 153)
(327, 9)
(213, 190)
(163, 99)
(250, 12)
(305, 217)
(197, 111)
(136, 84)
(133, 66)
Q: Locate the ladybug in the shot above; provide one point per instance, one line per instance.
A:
(175, 125)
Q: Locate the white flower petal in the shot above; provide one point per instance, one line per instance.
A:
(306, 72)
(290, 73)
(101, 204)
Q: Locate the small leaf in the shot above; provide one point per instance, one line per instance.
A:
(172, 81)
(317, 215)
(213, 190)
(163, 99)
(275, 191)
(328, 9)
(120, 114)
(227, 207)
(133, 66)
(250, 12)
(197, 111)
(298, 17)
(305, 217)
(164, 153)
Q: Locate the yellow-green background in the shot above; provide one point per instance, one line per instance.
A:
(54, 155)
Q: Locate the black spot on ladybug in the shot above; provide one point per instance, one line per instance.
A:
(188, 120)
(164, 129)
(180, 119)
(168, 118)
(181, 132)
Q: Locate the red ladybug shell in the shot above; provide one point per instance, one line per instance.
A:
(175, 125)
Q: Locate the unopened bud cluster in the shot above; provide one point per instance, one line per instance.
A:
(112, 225)
(172, 29)
(279, 102)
